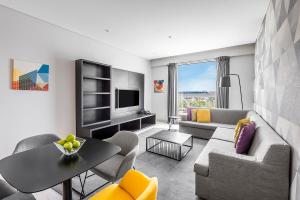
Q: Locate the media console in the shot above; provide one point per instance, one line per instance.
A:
(128, 123)
(97, 113)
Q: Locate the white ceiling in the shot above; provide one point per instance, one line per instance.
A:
(143, 27)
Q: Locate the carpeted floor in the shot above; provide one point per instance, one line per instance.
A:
(175, 178)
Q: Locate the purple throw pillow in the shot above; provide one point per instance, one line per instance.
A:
(245, 138)
(189, 114)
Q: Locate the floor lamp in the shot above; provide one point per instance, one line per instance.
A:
(225, 82)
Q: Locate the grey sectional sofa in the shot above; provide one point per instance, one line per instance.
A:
(224, 118)
(222, 174)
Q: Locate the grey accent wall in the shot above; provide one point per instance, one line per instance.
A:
(122, 79)
(277, 77)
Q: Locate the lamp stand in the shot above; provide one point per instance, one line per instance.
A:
(240, 88)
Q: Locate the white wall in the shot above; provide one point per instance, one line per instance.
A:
(160, 100)
(244, 67)
(242, 63)
(205, 55)
(26, 113)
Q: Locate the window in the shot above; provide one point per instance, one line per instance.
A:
(196, 85)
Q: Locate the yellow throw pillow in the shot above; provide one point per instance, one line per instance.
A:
(194, 115)
(203, 115)
(241, 123)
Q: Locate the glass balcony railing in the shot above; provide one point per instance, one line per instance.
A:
(195, 100)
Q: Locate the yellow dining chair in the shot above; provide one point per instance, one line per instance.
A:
(133, 186)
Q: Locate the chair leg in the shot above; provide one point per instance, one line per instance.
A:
(94, 190)
(82, 184)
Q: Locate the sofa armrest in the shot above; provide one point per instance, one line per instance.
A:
(183, 117)
(236, 176)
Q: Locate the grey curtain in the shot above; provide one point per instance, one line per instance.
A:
(222, 94)
(172, 90)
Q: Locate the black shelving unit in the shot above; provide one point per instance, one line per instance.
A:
(132, 122)
(93, 82)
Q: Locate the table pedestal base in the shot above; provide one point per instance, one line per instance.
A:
(67, 189)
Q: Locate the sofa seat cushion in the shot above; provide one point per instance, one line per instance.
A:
(207, 126)
(225, 134)
(228, 126)
(201, 166)
(109, 168)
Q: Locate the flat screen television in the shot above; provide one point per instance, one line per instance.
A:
(127, 98)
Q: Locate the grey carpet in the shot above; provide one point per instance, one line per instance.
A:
(175, 178)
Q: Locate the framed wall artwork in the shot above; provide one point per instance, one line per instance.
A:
(30, 76)
(158, 86)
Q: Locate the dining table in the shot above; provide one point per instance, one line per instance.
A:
(41, 168)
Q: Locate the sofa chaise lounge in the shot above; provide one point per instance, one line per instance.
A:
(222, 174)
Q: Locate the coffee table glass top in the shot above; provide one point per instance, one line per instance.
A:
(171, 136)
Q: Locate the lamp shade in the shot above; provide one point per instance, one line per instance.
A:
(225, 81)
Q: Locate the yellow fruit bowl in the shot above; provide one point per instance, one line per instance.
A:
(69, 150)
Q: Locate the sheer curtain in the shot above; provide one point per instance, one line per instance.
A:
(222, 94)
(172, 90)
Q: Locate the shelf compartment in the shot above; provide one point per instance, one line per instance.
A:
(95, 116)
(131, 126)
(92, 101)
(148, 121)
(95, 70)
(104, 133)
(93, 85)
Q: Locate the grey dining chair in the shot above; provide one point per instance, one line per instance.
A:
(5, 189)
(116, 167)
(35, 142)
(7, 192)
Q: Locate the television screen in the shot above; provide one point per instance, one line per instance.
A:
(127, 98)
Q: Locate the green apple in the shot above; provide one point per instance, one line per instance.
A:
(76, 144)
(68, 146)
(70, 138)
(61, 142)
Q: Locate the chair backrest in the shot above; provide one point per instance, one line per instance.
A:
(35, 142)
(227, 116)
(139, 186)
(150, 193)
(6, 190)
(127, 140)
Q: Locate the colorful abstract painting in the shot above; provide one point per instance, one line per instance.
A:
(158, 86)
(30, 76)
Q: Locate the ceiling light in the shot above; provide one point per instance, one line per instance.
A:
(170, 36)
(106, 30)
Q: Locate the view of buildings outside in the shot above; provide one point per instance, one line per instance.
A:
(196, 85)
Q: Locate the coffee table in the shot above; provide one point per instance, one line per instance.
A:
(175, 145)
